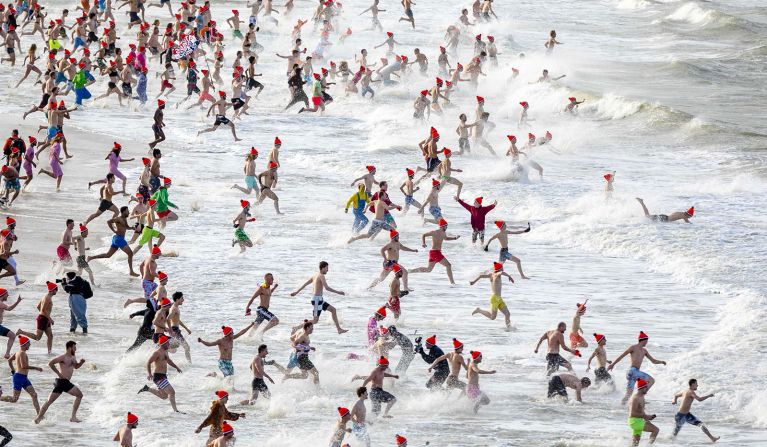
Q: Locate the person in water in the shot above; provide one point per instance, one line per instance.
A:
(676, 215)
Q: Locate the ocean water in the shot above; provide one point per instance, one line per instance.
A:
(674, 103)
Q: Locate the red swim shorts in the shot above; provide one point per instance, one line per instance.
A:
(435, 256)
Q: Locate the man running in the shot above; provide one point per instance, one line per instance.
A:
(221, 105)
(576, 339)
(125, 434)
(319, 284)
(264, 294)
(503, 239)
(457, 364)
(391, 254)
(243, 217)
(267, 180)
(258, 386)
(160, 359)
(175, 323)
(20, 367)
(435, 254)
(377, 393)
(478, 213)
(637, 352)
(496, 301)
(225, 346)
(63, 384)
(556, 340)
(119, 226)
(600, 374)
(558, 384)
(472, 374)
(639, 420)
(44, 321)
(359, 417)
(683, 416)
(4, 331)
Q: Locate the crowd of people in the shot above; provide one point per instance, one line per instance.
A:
(86, 48)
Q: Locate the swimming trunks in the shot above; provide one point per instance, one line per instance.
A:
(4, 331)
(633, 375)
(304, 364)
(318, 305)
(435, 256)
(436, 212)
(496, 303)
(393, 304)
(221, 119)
(262, 313)
(62, 386)
(556, 387)
(473, 392)
(316, 100)
(43, 322)
(63, 253)
(177, 332)
(477, 234)
(147, 234)
(226, 367)
(453, 382)
(431, 164)
(250, 181)
(82, 262)
(659, 218)
(637, 425)
(105, 205)
(601, 375)
(13, 184)
(409, 200)
(161, 380)
(20, 382)
(504, 255)
(553, 362)
(149, 287)
(361, 432)
(163, 214)
(377, 226)
(575, 339)
(389, 264)
(240, 236)
(118, 241)
(463, 145)
(259, 386)
(685, 418)
(379, 396)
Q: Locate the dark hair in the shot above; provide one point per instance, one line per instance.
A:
(71, 275)
(70, 343)
(307, 324)
(586, 381)
(70, 221)
(323, 264)
(110, 176)
(177, 295)
(156, 153)
(692, 381)
(261, 348)
(124, 209)
(361, 390)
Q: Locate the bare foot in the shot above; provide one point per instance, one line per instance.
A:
(716, 438)
(22, 281)
(37, 420)
(342, 331)
(134, 274)
(75, 420)
(127, 303)
(386, 416)
(525, 277)
(476, 311)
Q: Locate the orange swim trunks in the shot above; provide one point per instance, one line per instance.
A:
(575, 340)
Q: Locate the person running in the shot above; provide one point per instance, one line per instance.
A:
(264, 295)
(368, 179)
(4, 331)
(159, 123)
(683, 416)
(62, 251)
(119, 226)
(160, 359)
(377, 393)
(556, 340)
(164, 205)
(637, 352)
(407, 6)
(243, 217)
(267, 180)
(125, 434)
(146, 223)
(44, 321)
(221, 105)
(258, 386)
(408, 350)
(600, 374)
(226, 439)
(250, 173)
(551, 42)
(319, 284)
(639, 420)
(391, 254)
(432, 201)
(300, 344)
(359, 203)
(225, 346)
(435, 253)
(446, 170)
(82, 261)
(20, 367)
(609, 186)
(478, 213)
(576, 339)
(340, 430)
(496, 301)
(105, 194)
(503, 239)
(359, 417)
(217, 416)
(380, 207)
(664, 218)
(175, 323)
(408, 189)
(472, 374)
(457, 363)
(558, 384)
(63, 384)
